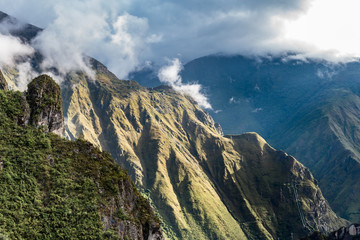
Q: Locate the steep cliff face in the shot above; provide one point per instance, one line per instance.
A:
(52, 188)
(285, 194)
(44, 98)
(202, 184)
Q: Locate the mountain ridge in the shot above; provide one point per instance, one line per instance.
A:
(202, 184)
(298, 106)
(168, 128)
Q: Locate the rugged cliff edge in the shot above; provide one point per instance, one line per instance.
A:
(44, 98)
(52, 188)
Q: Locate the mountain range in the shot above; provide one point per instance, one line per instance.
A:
(309, 108)
(202, 184)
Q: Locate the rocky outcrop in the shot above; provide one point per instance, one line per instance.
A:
(134, 212)
(44, 98)
(3, 83)
(345, 233)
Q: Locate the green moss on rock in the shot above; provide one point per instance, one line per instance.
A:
(44, 98)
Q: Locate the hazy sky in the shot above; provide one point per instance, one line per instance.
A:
(125, 34)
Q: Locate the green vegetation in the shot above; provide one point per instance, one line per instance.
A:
(52, 188)
(43, 93)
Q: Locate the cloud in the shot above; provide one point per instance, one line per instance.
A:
(170, 75)
(128, 45)
(64, 41)
(8, 25)
(234, 100)
(25, 75)
(15, 54)
(125, 34)
(119, 41)
(12, 48)
(197, 28)
(327, 30)
(256, 110)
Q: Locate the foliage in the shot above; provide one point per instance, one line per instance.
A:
(43, 92)
(52, 188)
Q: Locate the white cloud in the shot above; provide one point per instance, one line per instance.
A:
(328, 30)
(12, 48)
(119, 41)
(256, 110)
(128, 45)
(234, 100)
(63, 43)
(26, 74)
(16, 54)
(124, 34)
(327, 73)
(170, 75)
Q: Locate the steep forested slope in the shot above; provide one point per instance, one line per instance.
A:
(52, 188)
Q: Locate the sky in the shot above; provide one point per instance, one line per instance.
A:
(127, 35)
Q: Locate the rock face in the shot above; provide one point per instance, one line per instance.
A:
(44, 98)
(3, 83)
(345, 233)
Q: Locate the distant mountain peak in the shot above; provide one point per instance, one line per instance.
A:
(14, 27)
